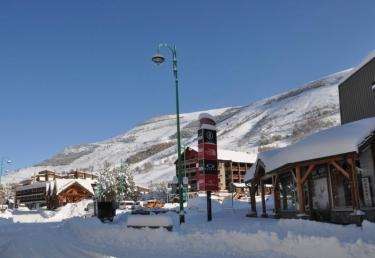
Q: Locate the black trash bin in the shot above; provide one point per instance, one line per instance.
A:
(106, 211)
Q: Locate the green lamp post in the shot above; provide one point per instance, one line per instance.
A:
(159, 59)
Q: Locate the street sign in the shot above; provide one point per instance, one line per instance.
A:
(208, 167)
(208, 182)
(207, 151)
(207, 154)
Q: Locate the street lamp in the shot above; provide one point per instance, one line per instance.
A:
(6, 161)
(159, 59)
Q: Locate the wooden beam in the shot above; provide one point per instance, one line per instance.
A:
(354, 183)
(308, 172)
(294, 175)
(276, 180)
(252, 198)
(340, 169)
(264, 211)
(301, 200)
(276, 193)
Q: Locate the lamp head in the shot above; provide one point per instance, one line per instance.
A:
(158, 59)
(9, 161)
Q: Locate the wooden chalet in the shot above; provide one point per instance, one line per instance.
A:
(328, 176)
(53, 190)
(63, 191)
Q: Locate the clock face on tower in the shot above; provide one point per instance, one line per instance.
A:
(206, 136)
(209, 135)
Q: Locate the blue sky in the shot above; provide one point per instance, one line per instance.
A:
(77, 71)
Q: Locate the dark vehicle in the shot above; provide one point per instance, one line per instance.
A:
(106, 211)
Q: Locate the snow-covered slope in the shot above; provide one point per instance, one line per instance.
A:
(150, 147)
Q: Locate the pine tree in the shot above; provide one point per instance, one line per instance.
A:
(107, 183)
(133, 193)
(117, 183)
(122, 181)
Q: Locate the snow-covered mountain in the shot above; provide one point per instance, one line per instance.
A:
(151, 150)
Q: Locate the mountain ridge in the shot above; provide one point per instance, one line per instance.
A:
(271, 122)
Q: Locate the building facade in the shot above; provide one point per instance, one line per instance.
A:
(53, 190)
(328, 176)
(232, 166)
(357, 92)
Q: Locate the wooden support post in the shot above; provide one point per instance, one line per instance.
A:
(276, 194)
(253, 209)
(354, 184)
(264, 211)
(301, 200)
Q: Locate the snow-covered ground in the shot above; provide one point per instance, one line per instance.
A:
(230, 234)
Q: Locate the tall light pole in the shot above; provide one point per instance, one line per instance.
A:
(159, 59)
(6, 161)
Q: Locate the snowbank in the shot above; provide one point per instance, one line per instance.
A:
(24, 215)
(71, 210)
(6, 214)
(200, 204)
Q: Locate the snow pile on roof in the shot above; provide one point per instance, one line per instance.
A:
(62, 184)
(31, 186)
(239, 185)
(333, 141)
(235, 156)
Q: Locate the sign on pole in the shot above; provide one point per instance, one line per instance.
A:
(208, 179)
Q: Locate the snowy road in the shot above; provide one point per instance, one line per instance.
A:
(230, 234)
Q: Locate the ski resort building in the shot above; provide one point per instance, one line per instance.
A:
(357, 92)
(232, 166)
(53, 190)
(327, 176)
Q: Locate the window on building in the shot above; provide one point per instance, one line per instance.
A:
(288, 194)
(366, 178)
(341, 188)
(320, 190)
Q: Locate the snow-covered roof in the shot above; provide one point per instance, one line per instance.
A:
(333, 141)
(62, 184)
(235, 156)
(365, 61)
(206, 115)
(31, 186)
(239, 185)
